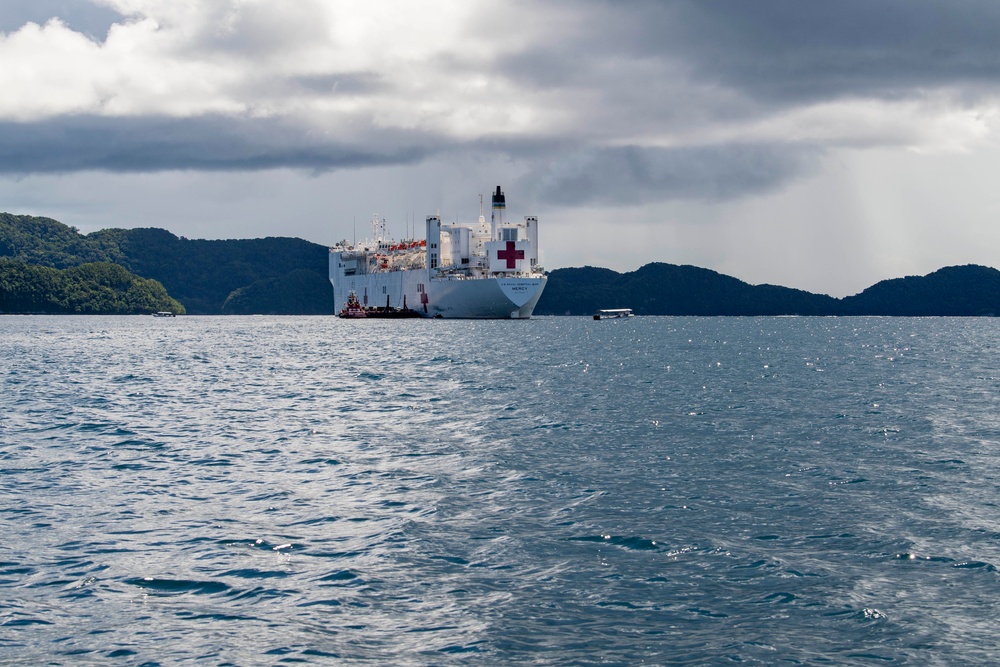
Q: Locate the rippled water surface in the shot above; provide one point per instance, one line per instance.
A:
(560, 491)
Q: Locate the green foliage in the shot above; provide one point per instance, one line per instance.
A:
(45, 242)
(202, 274)
(579, 291)
(953, 290)
(95, 288)
(300, 292)
(667, 289)
(199, 273)
(29, 289)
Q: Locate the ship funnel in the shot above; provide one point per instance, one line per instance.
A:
(499, 206)
(499, 201)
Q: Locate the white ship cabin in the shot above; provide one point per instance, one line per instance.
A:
(378, 255)
(494, 248)
(489, 248)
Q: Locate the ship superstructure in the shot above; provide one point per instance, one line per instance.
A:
(483, 270)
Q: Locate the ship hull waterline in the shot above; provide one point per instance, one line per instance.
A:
(454, 298)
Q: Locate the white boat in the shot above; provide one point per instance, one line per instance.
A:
(164, 313)
(488, 270)
(613, 313)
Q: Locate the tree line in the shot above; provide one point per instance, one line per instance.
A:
(92, 288)
(271, 275)
(667, 289)
(289, 276)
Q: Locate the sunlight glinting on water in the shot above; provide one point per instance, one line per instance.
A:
(557, 491)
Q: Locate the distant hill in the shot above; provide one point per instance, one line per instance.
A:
(92, 288)
(953, 290)
(302, 292)
(288, 276)
(201, 274)
(667, 289)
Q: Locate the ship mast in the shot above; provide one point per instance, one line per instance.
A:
(379, 229)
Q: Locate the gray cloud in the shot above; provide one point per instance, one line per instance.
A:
(781, 50)
(258, 30)
(202, 143)
(657, 71)
(632, 175)
(692, 63)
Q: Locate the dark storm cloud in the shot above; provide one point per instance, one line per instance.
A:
(681, 67)
(636, 175)
(204, 143)
(788, 51)
(80, 15)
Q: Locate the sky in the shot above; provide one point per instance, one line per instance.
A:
(823, 146)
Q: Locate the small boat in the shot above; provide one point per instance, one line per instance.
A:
(613, 313)
(353, 308)
(164, 313)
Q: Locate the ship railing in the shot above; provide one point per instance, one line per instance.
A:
(449, 275)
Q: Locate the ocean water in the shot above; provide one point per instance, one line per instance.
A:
(559, 491)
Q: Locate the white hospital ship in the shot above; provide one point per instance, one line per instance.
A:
(486, 270)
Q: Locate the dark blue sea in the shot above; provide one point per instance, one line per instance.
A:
(559, 491)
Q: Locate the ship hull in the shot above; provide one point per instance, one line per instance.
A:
(484, 298)
(470, 298)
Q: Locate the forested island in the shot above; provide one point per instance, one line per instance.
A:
(245, 276)
(668, 289)
(92, 288)
(49, 267)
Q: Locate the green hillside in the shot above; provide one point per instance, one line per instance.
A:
(668, 289)
(93, 288)
(953, 290)
(201, 274)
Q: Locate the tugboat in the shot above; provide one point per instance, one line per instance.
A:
(352, 309)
